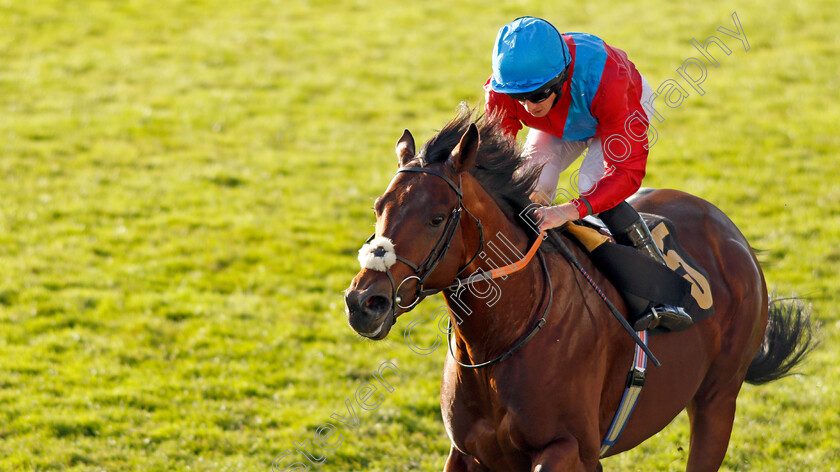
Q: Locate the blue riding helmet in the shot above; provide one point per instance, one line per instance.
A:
(528, 53)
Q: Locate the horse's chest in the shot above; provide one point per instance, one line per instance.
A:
(484, 420)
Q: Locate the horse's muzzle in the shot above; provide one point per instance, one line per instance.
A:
(369, 311)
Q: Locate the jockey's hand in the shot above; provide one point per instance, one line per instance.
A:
(557, 215)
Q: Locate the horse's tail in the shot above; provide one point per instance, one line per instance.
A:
(788, 340)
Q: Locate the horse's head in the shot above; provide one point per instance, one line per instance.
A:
(417, 248)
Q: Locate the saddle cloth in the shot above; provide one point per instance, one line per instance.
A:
(643, 281)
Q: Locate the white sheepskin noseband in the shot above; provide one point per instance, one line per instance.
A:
(378, 254)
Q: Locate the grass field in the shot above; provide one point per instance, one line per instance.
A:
(185, 184)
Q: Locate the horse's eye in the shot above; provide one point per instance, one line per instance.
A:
(437, 220)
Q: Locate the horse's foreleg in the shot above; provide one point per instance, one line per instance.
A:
(455, 461)
(711, 424)
(460, 462)
(561, 456)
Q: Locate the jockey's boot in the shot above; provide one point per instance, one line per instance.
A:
(670, 317)
(629, 229)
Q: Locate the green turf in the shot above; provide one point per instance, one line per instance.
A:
(185, 185)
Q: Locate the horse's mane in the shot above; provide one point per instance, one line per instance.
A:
(499, 163)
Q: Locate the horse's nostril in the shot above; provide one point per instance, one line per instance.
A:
(377, 305)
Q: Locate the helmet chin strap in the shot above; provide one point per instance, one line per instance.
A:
(556, 99)
(558, 92)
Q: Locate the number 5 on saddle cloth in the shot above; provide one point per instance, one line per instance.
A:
(643, 282)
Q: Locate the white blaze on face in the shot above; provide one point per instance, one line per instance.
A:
(378, 254)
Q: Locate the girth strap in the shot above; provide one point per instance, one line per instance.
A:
(635, 382)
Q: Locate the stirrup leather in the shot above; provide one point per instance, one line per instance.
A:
(667, 317)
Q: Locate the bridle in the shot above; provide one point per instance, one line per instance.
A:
(423, 270)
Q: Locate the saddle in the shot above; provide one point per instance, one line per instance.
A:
(642, 281)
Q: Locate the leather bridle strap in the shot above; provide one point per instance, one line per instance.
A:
(446, 179)
(524, 340)
(438, 253)
(424, 270)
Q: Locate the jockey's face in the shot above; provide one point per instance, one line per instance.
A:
(540, 109)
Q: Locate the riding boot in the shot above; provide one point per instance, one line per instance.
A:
(629, 229)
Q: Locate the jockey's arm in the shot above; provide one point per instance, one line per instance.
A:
(622, 127)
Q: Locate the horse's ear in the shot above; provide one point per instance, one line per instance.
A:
(405, 148)
(463, 156)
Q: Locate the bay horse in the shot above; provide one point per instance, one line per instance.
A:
(546, 407)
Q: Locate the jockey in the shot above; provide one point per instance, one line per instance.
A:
(577, 93)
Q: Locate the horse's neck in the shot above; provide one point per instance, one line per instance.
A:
(504, 240)
(492, 316)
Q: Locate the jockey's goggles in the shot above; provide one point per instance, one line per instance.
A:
(541, 94)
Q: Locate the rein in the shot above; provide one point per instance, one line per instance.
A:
(424, 270)
(503, 271)
(524, 340)
(442, 247)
